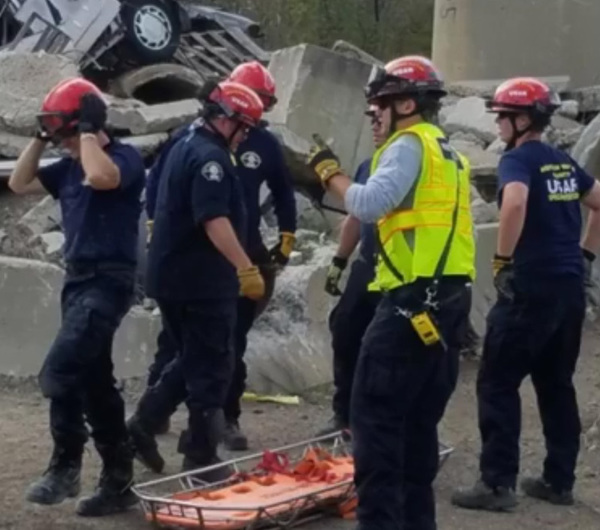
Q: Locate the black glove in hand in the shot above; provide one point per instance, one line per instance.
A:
(42, 135)
(503, 276)
(92, 114)
(588, 260)
(334, 274)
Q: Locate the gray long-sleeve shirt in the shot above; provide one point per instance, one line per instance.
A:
(397, 171)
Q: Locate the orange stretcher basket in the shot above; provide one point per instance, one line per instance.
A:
(276, 488)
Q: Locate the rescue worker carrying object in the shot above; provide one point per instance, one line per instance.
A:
(259, 159)
(98, 185)
(354, 311)
(195, 252)
(534, 328)
(418, 194)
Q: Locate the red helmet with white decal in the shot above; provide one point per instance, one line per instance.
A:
(237, 102)
(255, 76)
(411, 75)
(524, 94)
(60, 109)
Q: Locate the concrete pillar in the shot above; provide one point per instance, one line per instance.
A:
(495, 39)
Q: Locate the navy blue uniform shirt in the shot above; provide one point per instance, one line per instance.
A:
(99, 225)
(197, 184)
(367, 231)
(550, 241)
(259, 159)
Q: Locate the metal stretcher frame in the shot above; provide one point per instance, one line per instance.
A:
(159, 502)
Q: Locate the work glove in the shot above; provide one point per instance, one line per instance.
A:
(588, 260)
(323, 160)
(92, 114)
(252, 284)
(42, 135)
(334, 274)
(504, 274)
(280, 253)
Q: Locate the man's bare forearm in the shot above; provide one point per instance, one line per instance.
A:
(349, 237)
(512, 219)
(222, 235)
(26, 168)
(591, 239)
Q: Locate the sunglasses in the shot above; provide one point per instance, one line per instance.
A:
(372, 117)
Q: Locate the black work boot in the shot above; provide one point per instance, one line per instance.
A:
(483, 497)
(538, 488)
(113, 493)
(144, 445)
(199, 444)
(233, 437)
(335, 424)
(60, 480)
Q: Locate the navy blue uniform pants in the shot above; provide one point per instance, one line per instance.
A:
(538, 334)
(246, 313)
(77, 374)
(199, 374)
(348, 322)
(401, 389)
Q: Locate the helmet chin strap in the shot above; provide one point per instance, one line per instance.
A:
(516, 133)
(227, 140)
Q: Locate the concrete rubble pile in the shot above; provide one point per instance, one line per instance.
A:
(319, 90)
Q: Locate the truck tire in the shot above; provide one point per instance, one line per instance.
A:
(152, 30)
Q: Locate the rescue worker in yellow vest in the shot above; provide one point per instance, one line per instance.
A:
(418, 196)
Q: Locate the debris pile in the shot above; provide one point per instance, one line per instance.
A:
(319, 90)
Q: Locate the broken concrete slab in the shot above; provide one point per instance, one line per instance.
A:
(486, 88)
(12, 145)
(484, 292)
(484, 212)
(148, 143)
(321, 91)
(52, 244)
(569, 108)
(152, 119)
(588, 98)
(587, 149)
(44, 217)
(26, 78)
(469, 116)
(496, 147)
(482, 162)
(352, 51)
(158, 83)
(467, 137)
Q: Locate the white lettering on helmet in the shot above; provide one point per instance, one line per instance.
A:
(240, 102)
(517, 93)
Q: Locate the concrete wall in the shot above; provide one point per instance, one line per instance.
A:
(493, 39)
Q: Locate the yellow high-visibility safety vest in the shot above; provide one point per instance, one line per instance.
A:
(414, 234)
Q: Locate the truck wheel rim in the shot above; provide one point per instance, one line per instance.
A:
(152, 27)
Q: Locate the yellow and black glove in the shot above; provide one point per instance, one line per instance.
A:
(252, 284)
(334, 274)
(149, 228)
(280, 253)
(323, 160)
(502, 267)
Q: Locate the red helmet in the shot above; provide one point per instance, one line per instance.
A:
(255, 76)
(238, 102)
(524, 94)
(60, 108)
(410, 75)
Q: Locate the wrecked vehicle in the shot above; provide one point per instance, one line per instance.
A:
(110, 37)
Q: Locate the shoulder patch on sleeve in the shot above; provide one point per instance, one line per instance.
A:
(212, 171)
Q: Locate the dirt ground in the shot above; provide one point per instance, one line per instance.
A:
(24, 449)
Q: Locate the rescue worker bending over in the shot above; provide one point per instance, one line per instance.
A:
(535, 326)
(418, 194)
(259, 159)
(98, 184)
(195, 252)
(350, 317)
